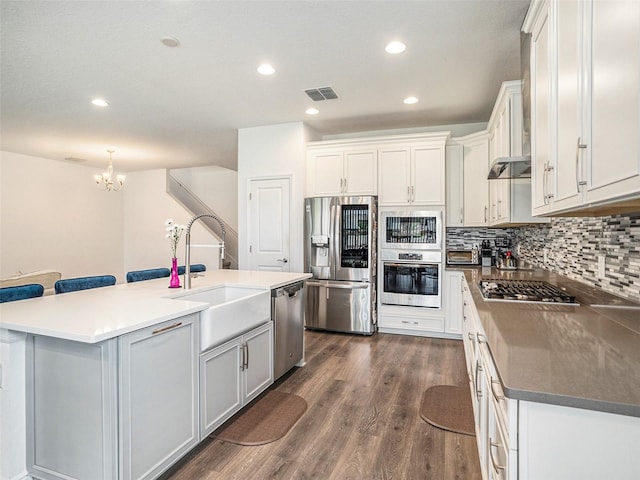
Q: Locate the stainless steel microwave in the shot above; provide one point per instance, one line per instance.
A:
(409, 229)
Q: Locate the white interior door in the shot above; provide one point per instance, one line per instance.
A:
(269, 218)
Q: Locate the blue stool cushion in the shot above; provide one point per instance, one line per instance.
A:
(140, 275)
(21, 292)
(83, 283)
(195, 268)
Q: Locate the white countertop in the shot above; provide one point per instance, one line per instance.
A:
(99, 314)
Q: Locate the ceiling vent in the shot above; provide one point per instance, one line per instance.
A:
(321, 93)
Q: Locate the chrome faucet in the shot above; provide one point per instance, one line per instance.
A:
(187, 264)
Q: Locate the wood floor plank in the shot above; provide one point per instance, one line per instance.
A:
(362, 422)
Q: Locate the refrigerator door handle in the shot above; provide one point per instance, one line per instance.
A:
(350, 286)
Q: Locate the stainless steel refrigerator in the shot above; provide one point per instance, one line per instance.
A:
(341, 254)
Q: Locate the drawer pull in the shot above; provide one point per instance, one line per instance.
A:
(168, 327)
(493, 390)
(481, 338)
(496, 466)
(410, 323)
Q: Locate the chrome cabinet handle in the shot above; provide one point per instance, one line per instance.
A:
(496, 467)
(478, 370)
(499, 209)
(481, 338)
(408, 194)
(548, 168)
(493, 391)
(345, 186)
(461, 216)
(485, 213)
(164, 329)
(246, 365)
(413, 194)
(578, 147)
(410, 323)
(283, 260)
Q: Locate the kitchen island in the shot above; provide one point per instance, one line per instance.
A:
(555, 387)
(93, 358)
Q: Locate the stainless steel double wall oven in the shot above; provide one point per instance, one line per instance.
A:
(411, 257)
(340, 253)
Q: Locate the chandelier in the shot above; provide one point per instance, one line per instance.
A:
(107, 181)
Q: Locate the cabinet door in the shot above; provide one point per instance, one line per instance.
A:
(220, 385)
(454, 175)
(453, 302)
(542, 182)
(361, 173)
(566, 79)
(71, 409)
(325, 175)
(427, 186)
(476, 186)
(613, 134)
(158, 396)
(394, 178)
(258, 361)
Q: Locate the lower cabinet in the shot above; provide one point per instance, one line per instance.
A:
(158, 397)
(125, 408)
(233, 374)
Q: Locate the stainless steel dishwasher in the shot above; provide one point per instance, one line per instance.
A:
(287, 313)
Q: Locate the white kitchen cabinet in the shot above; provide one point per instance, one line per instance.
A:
(510, 199)
(344, 171)
(557, 442)
(412, 175)
(452, 292)
(158, 396)
(123, 408)
(585, 78)
(233, 374)
(495, 415)
(476, 185)
(454, 169)
(401, 169)
(72, 409)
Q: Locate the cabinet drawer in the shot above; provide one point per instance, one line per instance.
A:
(427, 324)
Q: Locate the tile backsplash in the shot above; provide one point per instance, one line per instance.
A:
(573, 246)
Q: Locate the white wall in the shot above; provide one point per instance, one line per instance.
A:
(52, 216)
(272, 151)
(147, 207)
(215, 186)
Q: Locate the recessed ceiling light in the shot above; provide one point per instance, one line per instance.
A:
(170, 41)
(395, 47)
(266, 69)
(98, 102)
(312, 111)
(410, 100)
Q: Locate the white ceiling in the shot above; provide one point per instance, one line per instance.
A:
(174, 107)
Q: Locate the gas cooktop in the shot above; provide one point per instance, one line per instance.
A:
(532, 291)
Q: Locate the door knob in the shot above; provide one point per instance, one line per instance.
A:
(283, 260)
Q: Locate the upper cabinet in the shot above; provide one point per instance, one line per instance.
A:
(400, 169)
(341, 171)
(412, 174)
(509, 199)
(475, 184)
(585, 96)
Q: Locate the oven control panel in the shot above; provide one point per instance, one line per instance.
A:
(410, 256)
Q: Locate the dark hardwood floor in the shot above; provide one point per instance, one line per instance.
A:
(362, 421)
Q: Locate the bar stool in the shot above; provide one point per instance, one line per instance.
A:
(149, 274)
(83, 283)
(22, 292)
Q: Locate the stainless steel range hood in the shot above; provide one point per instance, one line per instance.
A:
(510, 167)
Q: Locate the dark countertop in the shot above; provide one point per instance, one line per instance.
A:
(584, 356)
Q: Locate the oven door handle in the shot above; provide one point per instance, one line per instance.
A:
(410, 264)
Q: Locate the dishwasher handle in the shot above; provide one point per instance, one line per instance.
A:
(289, 290)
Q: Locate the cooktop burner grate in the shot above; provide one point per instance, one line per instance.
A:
(524, 291)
